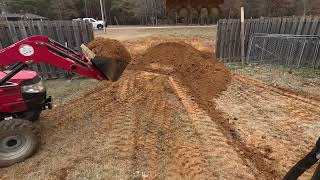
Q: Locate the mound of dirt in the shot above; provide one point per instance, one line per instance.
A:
(200, 71)
(110, 48)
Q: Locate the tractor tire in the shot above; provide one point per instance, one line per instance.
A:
(32, 116)
(19, 140)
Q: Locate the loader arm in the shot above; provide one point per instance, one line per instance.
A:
(42, 49)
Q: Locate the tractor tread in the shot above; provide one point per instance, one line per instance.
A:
(19, 124)
(24, 128)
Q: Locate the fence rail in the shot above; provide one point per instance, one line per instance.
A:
(69, 33)
(228, 36)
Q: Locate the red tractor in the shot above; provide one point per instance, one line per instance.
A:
(23, 95)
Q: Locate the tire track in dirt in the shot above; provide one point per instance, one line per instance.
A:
(250, 97)
(256, 91)
(156, 141)
(252, 159)
(119, 114)
(285, 92)
(270, 123)
(145, 144)
(215, 145)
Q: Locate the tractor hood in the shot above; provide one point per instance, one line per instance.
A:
(21, 77)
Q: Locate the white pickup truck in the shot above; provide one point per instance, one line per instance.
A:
(95, 23)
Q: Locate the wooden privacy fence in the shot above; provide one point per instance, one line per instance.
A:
(228, 47)
(69, 33)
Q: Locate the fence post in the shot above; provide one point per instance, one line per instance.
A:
(242, 37)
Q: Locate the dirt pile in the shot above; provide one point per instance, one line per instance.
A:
(139, 46)
(206, 76)
(110, 48)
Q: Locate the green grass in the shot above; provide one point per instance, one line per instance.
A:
(64, 90)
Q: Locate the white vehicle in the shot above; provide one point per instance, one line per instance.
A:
(95, 23)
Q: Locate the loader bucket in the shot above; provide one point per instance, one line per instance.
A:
(110, 68)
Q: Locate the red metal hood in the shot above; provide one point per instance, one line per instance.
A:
(20, 77)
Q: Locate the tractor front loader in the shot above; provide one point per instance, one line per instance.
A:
(23, 95)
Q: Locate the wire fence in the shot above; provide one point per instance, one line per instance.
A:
(283, 49)
(288, 41)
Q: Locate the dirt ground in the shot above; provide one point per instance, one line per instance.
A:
(158, 122)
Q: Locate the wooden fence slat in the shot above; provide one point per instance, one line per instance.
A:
(32, 29)
(50, 31)
(315, 24)
(90, 30)
(234, 38)
(40, 27)
(218, 39)
(248, 29)
(230, 38)
(224, 41)
(300, 26)
(7, 35)
(84, 32)
(46, 28)
(35, 29)
(68, 34)
(3, 34)
(279, 24)
(226, 33)
(263, 26)
(223, 29)
(76, 34)
(288, 25)
(294, 26)
(227, 40)
(236, 51)
(268, 26)
(308, 25)
(283, 26)
(28, 28)
(257, 25)
(23, 29)
(12, 31)
(273, 25)
(59, 31)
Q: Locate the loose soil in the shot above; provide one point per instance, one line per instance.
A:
(198, 69)
(109, 48)
(176, 113)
